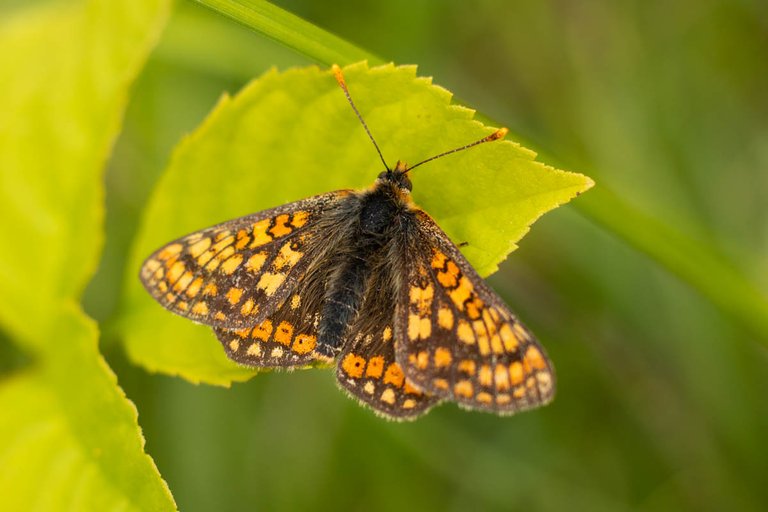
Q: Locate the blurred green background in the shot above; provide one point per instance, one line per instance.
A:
(663, 398)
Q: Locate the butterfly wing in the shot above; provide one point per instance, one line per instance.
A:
(367, 368)
(287, 337)
(235, 274)
(458, 340)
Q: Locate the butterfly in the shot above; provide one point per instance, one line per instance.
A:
(363, 280)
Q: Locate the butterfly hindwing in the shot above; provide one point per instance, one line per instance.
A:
(287, 338)
(458, 340)
(367, 368)
(233, 275)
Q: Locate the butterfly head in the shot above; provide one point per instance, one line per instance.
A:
(397, 177)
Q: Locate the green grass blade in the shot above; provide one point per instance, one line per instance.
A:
(692, 260)
(292, 31)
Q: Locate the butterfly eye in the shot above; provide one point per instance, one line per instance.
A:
(383, 175)
(405, 182)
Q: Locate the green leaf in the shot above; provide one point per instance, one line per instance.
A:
(66, 71)
(69, 438)
(68, 435)
(291, 135)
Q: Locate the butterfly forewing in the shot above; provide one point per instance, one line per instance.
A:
(367, 368)
(233, 275)
(457, 339)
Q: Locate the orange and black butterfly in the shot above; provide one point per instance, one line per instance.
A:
(365, 280)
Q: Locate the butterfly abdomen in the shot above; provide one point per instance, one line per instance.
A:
(370, 233)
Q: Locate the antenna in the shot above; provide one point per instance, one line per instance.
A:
(340, 78)
(498, 134)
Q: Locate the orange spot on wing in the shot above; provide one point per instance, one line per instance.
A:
(169, 251)
(286, 257)
(243, 239)
(447, 280)
(299, 219)
(259, 232)
(483, 344)
(411, 390)
(247, 307)
(375, 367)
(221, 235)
(515, 373)
(270, 282)
(175, 272)
(388, 396)
(440, 383)
(224, 255)
(234, 295)
(194, 287)
(534, 357)
(422, 298)
(475, 308)
(443, 357)
(201, 308)
(438, 259)
(222, 244)
(413, 327)
(394, 375)
(485, 376)
(422, 360)
(463, 388)
(284, 333)
(255, 262)
(183, 281)
(508, 338)
(262, 331)
(280, 228)
(462, 293)
(445, 318)
(230, 265)
(353, 365)
(496, 345)
(200, 247)
(467, 366)
(465, 333)
(484, 398)
(450, 277)
(501, 377)
(304, 343)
